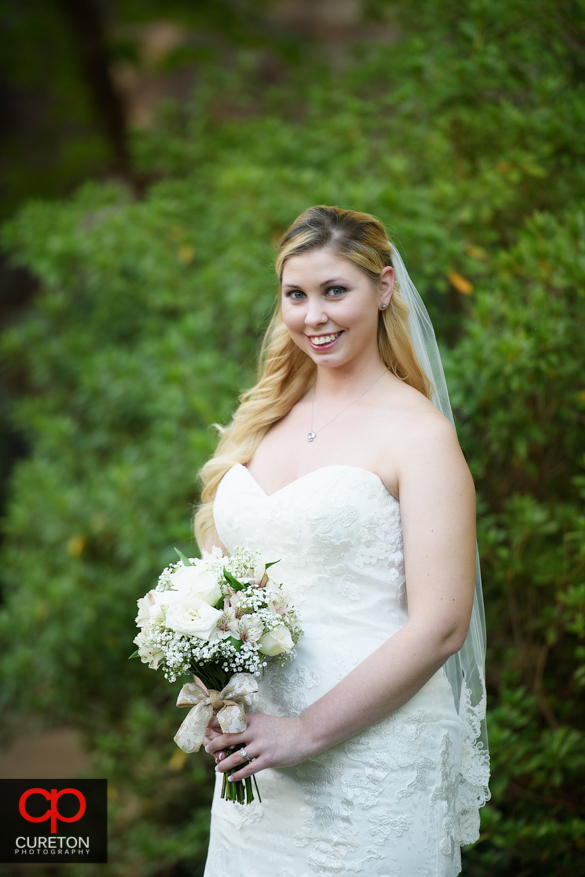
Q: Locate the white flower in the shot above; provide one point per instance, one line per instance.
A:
(197, 580)
(239, 603)
(276, 641)
(250, 628)
(227, 624)
(259, 576)
(280, 601)
(145, 604)
(147, 652)
(162, 600)
(215, 554)
(192, 616)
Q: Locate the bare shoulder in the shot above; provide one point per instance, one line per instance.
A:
(426, 430)
(424, 444)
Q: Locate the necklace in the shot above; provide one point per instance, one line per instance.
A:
(312, 434)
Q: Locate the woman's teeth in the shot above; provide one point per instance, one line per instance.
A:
(318, 340)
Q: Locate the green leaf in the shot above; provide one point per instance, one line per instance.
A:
(185, 560)
(236, 585)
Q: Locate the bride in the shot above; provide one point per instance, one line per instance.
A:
(343, 463)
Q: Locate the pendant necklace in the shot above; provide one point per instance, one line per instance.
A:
(312, 434)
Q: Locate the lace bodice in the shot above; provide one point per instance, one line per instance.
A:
(395, 799)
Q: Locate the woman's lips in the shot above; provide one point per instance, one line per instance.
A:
(324, 342)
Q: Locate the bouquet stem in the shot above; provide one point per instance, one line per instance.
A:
(240, 791)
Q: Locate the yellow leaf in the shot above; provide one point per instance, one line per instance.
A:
(504, 167)
(177, 233)
(476, 253)
(534, 170)
(75, 546)
(582, 396)
(461, 284)
(177, 760)
(186, 254)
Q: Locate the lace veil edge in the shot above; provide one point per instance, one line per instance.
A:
(466, 669)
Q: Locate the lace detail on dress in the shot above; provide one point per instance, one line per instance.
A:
(445, 793)
(376, 545)
(288, 688)
(240, 815)
(382, 824)
(398, 799)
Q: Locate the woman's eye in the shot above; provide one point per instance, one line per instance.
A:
(295, 294)
(336, 290)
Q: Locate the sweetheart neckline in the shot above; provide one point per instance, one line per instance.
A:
(314, 472)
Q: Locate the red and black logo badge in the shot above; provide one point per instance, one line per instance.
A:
(53, 821)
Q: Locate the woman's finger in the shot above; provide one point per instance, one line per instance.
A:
(234, 760)
(210, 735)
(246, 770)
(226, 741)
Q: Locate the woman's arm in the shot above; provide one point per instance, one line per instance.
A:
(437, 510)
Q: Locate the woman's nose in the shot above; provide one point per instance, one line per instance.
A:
(315, 315)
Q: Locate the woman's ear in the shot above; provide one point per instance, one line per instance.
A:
(386, 287)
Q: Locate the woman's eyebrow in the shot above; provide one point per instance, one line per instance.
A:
(331, 282)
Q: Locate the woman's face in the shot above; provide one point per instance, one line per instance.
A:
(330, 307)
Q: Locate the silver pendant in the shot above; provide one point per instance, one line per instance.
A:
(311, 436)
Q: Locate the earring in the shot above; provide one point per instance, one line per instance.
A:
(384, 305)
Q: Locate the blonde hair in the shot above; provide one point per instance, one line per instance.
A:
(285, 373)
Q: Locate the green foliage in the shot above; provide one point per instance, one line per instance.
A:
(516, 378)
(147, 328)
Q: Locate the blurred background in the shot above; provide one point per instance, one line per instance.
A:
(152, 154)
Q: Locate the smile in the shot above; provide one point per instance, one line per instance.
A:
(323, 340)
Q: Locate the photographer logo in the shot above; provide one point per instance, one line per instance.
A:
(53, 820)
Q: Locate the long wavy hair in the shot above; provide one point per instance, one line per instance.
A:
(285, 373)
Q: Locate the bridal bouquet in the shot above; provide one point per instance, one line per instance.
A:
(221, 618)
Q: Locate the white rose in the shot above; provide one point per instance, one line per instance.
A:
(276, 641)
(192, 616)
(194, 579)
(162, 600)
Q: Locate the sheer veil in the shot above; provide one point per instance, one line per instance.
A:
(466, 669)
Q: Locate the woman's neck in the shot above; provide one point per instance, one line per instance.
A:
(343, 382)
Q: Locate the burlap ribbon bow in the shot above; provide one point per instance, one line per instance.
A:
(226, 703)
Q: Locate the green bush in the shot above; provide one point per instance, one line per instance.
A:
(147, 328)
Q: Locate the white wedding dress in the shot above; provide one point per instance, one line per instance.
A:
(396, 800)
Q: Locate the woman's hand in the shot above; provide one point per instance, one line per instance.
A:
(268, 742)
(213, 731)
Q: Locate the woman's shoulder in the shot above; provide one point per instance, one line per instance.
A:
(412, 414)
(412, 433)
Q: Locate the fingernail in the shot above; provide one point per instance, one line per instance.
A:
(221, 756)
(207, 748)
(231, 778)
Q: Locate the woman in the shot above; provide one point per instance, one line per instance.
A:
(339, 464)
